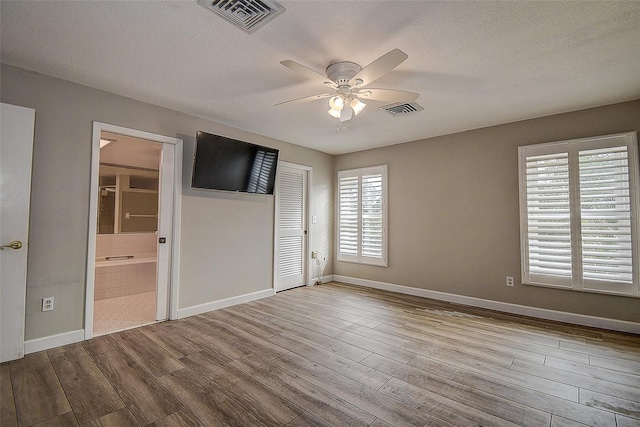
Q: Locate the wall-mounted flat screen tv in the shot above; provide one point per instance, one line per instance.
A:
(221, 163)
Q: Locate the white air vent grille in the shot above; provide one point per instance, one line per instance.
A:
(402, 109)
(248, 15)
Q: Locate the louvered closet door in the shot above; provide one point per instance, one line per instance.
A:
(291, 225)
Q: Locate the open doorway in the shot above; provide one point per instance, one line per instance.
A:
(125, 287)
(133, 244)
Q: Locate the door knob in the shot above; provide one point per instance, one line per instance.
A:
(16, 244)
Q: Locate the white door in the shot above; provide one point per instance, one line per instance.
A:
(291, 227)
(16, 147)
(165, 229)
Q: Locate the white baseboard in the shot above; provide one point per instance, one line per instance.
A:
(324, 279)
(227, 302)
(52, 341)
(58, 340)
(542, 313)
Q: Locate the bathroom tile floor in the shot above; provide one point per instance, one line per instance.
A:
(120, 313)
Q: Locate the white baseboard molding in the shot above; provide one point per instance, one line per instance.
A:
(227, 302)
(324, 279)
(65, 338)
(45, 343)
(541, 313)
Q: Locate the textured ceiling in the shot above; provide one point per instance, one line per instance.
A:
(475, 64)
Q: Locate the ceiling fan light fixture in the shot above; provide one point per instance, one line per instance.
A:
(357, 106)
(334, 113)
(346, 114)
(336, 103)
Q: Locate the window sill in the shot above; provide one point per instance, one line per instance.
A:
(372, 264)
(588, 291)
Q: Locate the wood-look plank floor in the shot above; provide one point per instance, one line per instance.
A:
(333, 355)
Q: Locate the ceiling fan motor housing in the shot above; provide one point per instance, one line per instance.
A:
(342, 72)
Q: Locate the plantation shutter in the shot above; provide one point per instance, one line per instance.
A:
(372, 226)
(362, 216)
(605, 209)
(348, 216)
(579, 214)
(548, 217)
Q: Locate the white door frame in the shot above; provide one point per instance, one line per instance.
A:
(276, 235)
(176, 156)
(18, 125)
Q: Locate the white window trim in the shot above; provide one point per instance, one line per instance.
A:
(359, 258)
(572, 147)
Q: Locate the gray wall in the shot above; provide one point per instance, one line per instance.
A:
(453, 211)
(227, 241)
(453, 206)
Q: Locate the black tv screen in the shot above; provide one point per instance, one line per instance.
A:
(221, 163)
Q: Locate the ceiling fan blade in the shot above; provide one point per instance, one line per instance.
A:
(307, 98)
(379, 67)
(387, 95)
(307, 72)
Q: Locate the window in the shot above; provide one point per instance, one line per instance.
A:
(579, 214)
(362, 215)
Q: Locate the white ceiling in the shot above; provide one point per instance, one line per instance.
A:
(474, 63)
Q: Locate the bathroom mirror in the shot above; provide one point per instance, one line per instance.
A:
(128, 183)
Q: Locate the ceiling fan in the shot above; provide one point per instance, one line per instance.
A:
(348, 80)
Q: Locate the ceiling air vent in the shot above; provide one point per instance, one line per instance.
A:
(402, 109)
(248, 15)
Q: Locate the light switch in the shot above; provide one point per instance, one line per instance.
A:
(314, 219)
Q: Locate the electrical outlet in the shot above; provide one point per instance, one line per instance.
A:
(47, 304)
(509, 281)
